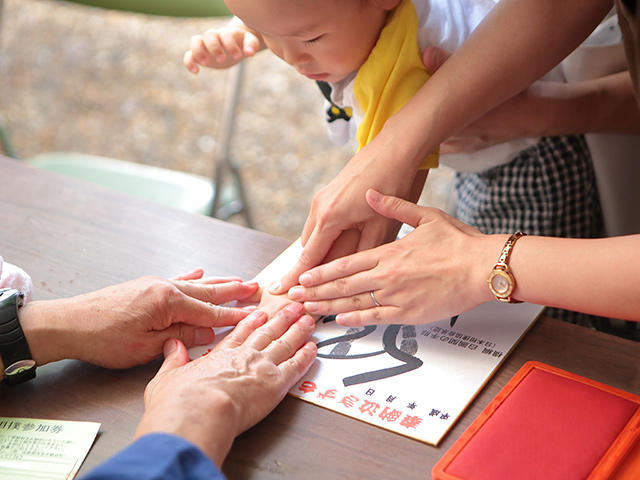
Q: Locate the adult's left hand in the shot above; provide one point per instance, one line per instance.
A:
(214, 398)
(438, 270)
(127, 324)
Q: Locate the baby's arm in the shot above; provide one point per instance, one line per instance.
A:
(224, 47)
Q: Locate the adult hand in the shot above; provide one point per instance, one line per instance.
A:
(222, 48)
(438, 270)
(214, 398)
(519, 117)
(340, 222)
(127, 324)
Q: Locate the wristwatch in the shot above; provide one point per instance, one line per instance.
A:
(501, 281)
(19, 365)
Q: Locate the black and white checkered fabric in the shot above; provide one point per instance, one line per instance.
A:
(548, 189)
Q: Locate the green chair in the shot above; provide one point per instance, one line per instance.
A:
(180, 190)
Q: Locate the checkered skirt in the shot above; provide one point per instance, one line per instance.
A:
(548, 189)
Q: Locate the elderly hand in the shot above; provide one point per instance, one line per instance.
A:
(127, 324)
(438, 270)
(214, 398)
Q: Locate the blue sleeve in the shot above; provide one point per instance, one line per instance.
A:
(158, 456)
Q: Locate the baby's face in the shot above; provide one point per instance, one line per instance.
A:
(323, 39)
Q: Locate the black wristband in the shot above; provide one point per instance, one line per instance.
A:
(19, 365)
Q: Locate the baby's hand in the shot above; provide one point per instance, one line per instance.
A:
(221, 48)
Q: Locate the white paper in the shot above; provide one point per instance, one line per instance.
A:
(34, 449)
(415, 380)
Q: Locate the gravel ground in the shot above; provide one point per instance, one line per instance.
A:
(110, 83)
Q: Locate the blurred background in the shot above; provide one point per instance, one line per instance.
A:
(76, 78)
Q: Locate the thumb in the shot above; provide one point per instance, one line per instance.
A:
(175, 355)
(434, 57)
(394, 207)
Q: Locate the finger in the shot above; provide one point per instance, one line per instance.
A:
(312, 254)
(242, 331)
(217, 293)
(394, 207)
(434, 57)
(215, 280)
(342, 267)
(370, 237)
(294, 368)
(298, 334)
(355, 284)
(202, 314)
(213, 45)
(199, 51)
(189, 335)
(371, 316)
(194, 274)
(189, 62)
(175, 355)
(232, 42)
(251, 44)
(361, 301)
(276, 326)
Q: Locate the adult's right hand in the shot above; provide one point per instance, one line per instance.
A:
(214, 398)
(127, 324)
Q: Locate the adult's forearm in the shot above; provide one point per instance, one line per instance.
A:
(597, 276)
(602, 105)
(518, 42)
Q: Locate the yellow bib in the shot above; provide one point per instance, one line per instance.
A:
(392, 74)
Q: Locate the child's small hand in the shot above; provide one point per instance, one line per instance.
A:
(221, 48)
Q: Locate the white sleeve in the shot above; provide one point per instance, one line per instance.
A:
(12, 276)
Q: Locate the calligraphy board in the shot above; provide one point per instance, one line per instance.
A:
(415, 380)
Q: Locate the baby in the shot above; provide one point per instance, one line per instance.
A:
(365, 56)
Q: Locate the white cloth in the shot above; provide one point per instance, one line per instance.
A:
(446, 24)
(12, 276)
(616, 157)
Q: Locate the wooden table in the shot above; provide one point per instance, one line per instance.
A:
(73, 238)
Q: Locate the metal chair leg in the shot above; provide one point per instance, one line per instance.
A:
(5, 140)
(223, 160)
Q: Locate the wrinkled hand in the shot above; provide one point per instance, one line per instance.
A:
(340, 209)
(438, 270)
(127, 324)
(221, 48)
(212, 399)
(515, 118)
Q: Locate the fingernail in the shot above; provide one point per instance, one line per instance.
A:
(305, 279)
(311, 307)
(204, 336)
(250, 284)
(307, 320)
(256, 315)
(294, 308)
(375, 195)
(275, 288)
(169, 347)
(296, 293)
(344, 318)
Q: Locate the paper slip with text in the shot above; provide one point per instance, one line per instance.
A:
(415, 380)
(34, 449)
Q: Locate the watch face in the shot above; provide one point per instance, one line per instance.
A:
(500, 283)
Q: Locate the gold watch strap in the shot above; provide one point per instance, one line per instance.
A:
(508, 247)
(503, 264)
